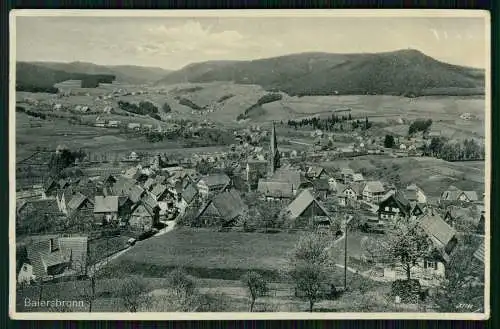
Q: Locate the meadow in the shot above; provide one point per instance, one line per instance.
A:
(209, 254)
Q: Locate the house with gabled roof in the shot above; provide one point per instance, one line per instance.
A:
(373, 191)
(145, 214)
(106, 209)
(222, 210)
(396, 207)
(351, 192)
(213, 184)
(306, 211)
(58, 256)
(159, 192)
(79, 203)
(316, 172)
(275, 191)
(466, 218)
(431, 269)
(415, 194)
(454, 194)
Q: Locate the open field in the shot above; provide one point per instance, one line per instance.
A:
(204, 253)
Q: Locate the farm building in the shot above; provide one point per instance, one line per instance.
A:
(106, 209)
(223, 210)
(211, 184)
(145, 215)
(373, 191)
(466, 219)
(453, 194)
(306, 211)
(275, 191)
(430, 270)
(415, 194)
(397, 207)
(58, 256)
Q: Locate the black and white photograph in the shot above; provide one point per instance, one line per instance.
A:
(254, 164)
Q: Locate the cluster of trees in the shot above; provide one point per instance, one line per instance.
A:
(420, 125)
(267, 98)
(332, 123)
(62, 159)
(389, 141)
(36, 89)
(143, 108)
(35, 114)
(190, 104)
(467, 149)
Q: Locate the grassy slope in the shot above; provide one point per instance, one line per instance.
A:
(396, 72)
(210, 254)
(432, 175)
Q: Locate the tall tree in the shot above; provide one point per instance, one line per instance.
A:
(462, 289)
(389, 141)
(407, 244)
(256, 286)
(133, 293)
(310, 267)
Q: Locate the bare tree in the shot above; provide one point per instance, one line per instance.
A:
(256, 285)
(309, 266)
(132, 293)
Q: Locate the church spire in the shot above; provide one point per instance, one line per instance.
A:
(274, 154)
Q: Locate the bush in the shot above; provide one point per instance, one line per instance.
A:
(407, 290)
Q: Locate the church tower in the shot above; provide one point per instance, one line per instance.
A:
(274, 154)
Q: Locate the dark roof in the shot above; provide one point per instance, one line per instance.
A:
(321, 184)
(48, 206)
(229, 204)
(401, 202)
(49, 184)
(122, 186)
(189, 193)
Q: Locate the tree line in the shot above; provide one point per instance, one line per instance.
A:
(467, 149)
(332, 123)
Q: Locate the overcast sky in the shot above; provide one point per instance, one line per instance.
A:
(172, 43)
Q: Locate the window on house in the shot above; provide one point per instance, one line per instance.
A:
(430, 264)
(386, 209)
(53, 245)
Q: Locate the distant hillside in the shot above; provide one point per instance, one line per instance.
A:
(403, 72)
(36, 78)
(123, 73)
